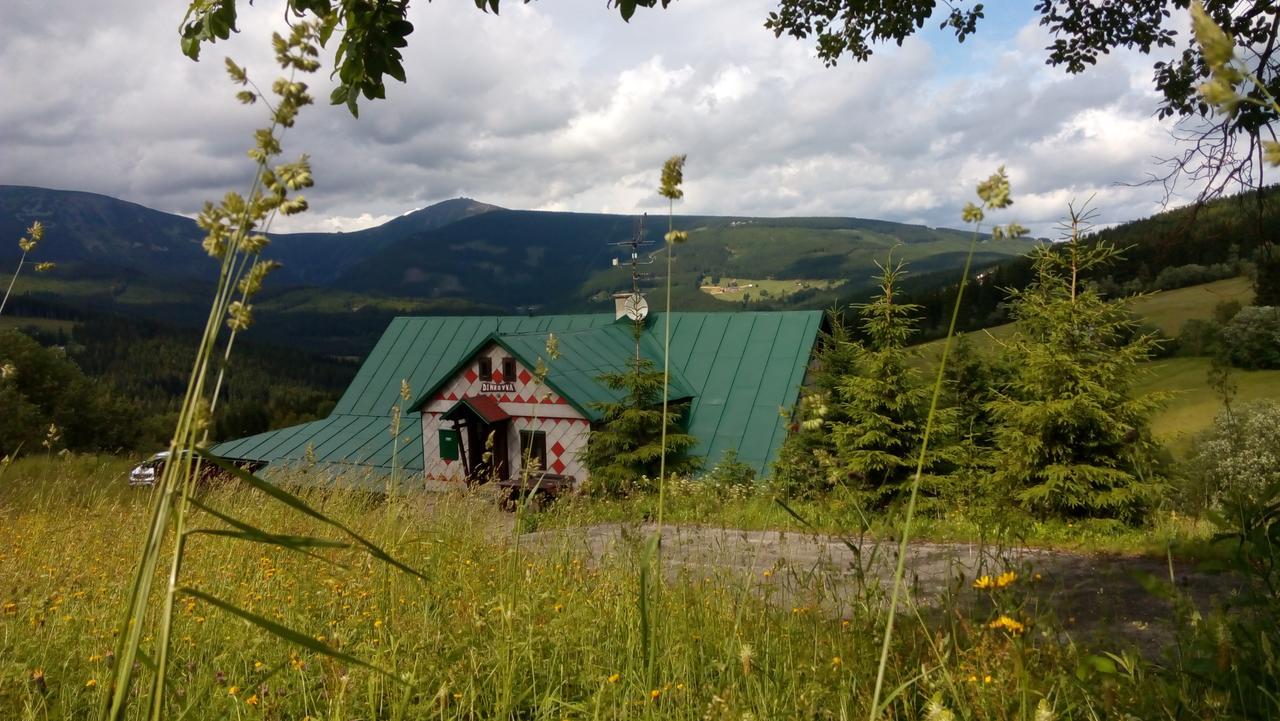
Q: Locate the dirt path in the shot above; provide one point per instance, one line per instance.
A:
(1095, 598)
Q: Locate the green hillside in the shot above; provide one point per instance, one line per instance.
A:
(1194, 404)
(835, 257)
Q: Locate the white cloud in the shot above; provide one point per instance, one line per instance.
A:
(559, 105)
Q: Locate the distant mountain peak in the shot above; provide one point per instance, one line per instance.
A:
(442, 213)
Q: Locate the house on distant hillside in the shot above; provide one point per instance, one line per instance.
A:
(473, 379)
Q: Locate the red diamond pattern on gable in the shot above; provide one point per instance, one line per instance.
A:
(557, 449)
(470, 375)
(558, 466)
(524, 376)
(497, 376)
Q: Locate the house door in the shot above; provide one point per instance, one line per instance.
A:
(486, 451)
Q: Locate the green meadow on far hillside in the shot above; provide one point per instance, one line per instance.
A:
(1169, 309)
(739, 289)
(1194, 403)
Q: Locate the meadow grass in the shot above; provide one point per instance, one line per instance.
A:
(534, 630)
(775, 288)
(47, 325)
(1169, 309)
(1195, 404)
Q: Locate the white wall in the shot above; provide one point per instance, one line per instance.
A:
(531, 407)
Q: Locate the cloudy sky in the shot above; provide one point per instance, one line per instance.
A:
(559, 105)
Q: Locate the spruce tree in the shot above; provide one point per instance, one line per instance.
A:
(1071, 438)
(885, 403)
(626, 446)
(806, 462)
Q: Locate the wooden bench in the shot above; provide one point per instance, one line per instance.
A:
(544, 487)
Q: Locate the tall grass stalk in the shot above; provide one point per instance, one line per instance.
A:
(232, 239)
(26, 244)
(672, 179)
(994, 194)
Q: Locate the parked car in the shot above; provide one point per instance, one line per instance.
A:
(150, 470)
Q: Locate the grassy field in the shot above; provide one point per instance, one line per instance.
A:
(1169, 309)
(500, 628)
(1195, 404)
(734, 289)
(48, 325)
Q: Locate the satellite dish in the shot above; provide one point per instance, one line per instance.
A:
(636, 307)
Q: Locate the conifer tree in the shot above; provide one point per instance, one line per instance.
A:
(1071, 439)
(807, 460)
(885, 402)
(626, 446)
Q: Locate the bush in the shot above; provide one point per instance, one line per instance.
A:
(1236, 459)
(1193, 274)
(1252, 339)
(730, 472)
(1199, 337)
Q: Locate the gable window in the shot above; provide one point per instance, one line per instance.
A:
(533, 450)
(509, 369)
(486, 368)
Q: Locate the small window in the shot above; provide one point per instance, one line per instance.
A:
(449, 443)
(509, 369)
(486, 368)
(533, 450)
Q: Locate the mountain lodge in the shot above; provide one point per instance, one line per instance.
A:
(474, 378)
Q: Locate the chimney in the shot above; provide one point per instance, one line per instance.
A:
(619, 300)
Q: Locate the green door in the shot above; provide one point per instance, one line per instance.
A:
(449, 442)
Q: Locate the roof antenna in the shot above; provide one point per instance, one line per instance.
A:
(635, 306)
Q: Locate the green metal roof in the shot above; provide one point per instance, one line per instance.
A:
(738, 368)
(585, 355)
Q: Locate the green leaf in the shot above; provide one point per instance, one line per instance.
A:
(396, 70)
(288, 634)
(191, 46)
(301, 506)
(326, 29)
(253, 534)
(293, 543)
(1102, 664)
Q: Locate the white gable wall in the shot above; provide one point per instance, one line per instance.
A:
(532, 406)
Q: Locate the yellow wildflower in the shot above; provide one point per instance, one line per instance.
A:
(655, 694)
(986, 582)
(91, 683)
(614, 678)
(252, 700)
(233, 690)
(1013, 626)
